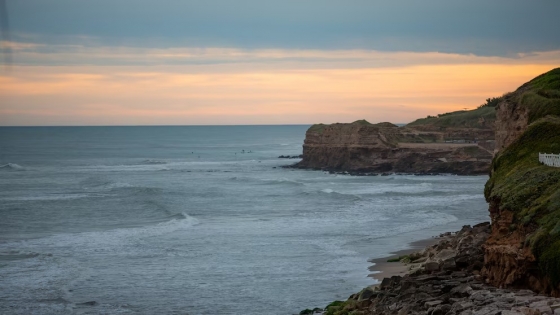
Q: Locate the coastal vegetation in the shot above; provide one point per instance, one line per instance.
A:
(524, 199)
(404, 259)
(477, 118)
(319, 128)
(522, 185)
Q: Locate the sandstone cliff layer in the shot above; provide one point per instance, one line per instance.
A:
(386, 148)
(523, 249)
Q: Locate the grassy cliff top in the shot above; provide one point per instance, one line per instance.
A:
(541, 96)
(546, 81)
(477, 118)
(319, 128)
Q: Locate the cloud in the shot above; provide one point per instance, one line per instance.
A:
(481, 27)
(29, 53)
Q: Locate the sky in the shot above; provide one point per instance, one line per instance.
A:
(171, 62)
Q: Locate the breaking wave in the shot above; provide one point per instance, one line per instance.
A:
(11, 167)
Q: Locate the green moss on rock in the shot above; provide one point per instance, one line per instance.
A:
(531, 190)
(341, 308)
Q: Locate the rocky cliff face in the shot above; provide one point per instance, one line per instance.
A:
(444, 279)
(523, 249)
(386, 148)
(512, 120)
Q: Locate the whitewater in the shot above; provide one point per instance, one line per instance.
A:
(199, 220)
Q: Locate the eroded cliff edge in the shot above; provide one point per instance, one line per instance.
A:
(523, 249)
(423, 147)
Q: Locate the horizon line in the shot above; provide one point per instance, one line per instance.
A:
(224, 125)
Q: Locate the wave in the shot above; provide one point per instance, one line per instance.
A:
(10, 255)
(384, 189)
(51, 197)
(11, 167)
(104, 186)
(152, 162)
(118, 239)
(282, 181)
(331, 193)
(268, 181)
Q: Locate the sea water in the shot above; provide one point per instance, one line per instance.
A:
(199, 220)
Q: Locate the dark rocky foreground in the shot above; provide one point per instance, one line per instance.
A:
(445, 279)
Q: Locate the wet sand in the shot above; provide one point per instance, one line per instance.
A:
(383, 269)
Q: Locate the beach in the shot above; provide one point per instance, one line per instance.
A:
(382, 268)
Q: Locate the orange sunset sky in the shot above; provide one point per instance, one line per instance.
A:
(89, 78)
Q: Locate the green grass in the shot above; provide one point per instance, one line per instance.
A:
(546, 81)
(341, 308)
(460, 119)
(362, 122)
(540, 105)
(318, 128)
(519, 183)
(386, 125)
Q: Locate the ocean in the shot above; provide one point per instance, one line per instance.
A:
(199, 220)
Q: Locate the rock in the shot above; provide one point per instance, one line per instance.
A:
(441, 309)
(435, 291)
(363, 303)
(449, 264)
(526, 311)
(432, 303)
(361, 148)
(431, 266)
(489, 310)
(366, 294)
(462, 290)
(542, 306)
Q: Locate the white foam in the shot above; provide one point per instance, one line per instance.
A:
(104, 240)
(282, 180)
(47, 197)
(118, 185)
(12, 166)
(150, 162)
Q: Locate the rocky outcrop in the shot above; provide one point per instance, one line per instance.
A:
(385, 148)
(512, 120)
(523, 249)
(444, 279)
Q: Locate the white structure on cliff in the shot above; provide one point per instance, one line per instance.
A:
(550, 159)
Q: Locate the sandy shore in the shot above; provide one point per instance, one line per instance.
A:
(383, 269)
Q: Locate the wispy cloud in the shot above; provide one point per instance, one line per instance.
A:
(28, 53)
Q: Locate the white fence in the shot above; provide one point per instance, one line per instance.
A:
(550, 159)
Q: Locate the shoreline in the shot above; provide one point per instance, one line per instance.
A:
(382, 268)
(443, 278)
(378, 173)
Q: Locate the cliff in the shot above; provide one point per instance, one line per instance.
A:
(362, 147)
(443, 279)
(486, 269)
(523, 249)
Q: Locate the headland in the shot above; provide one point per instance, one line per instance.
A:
(509, 266)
